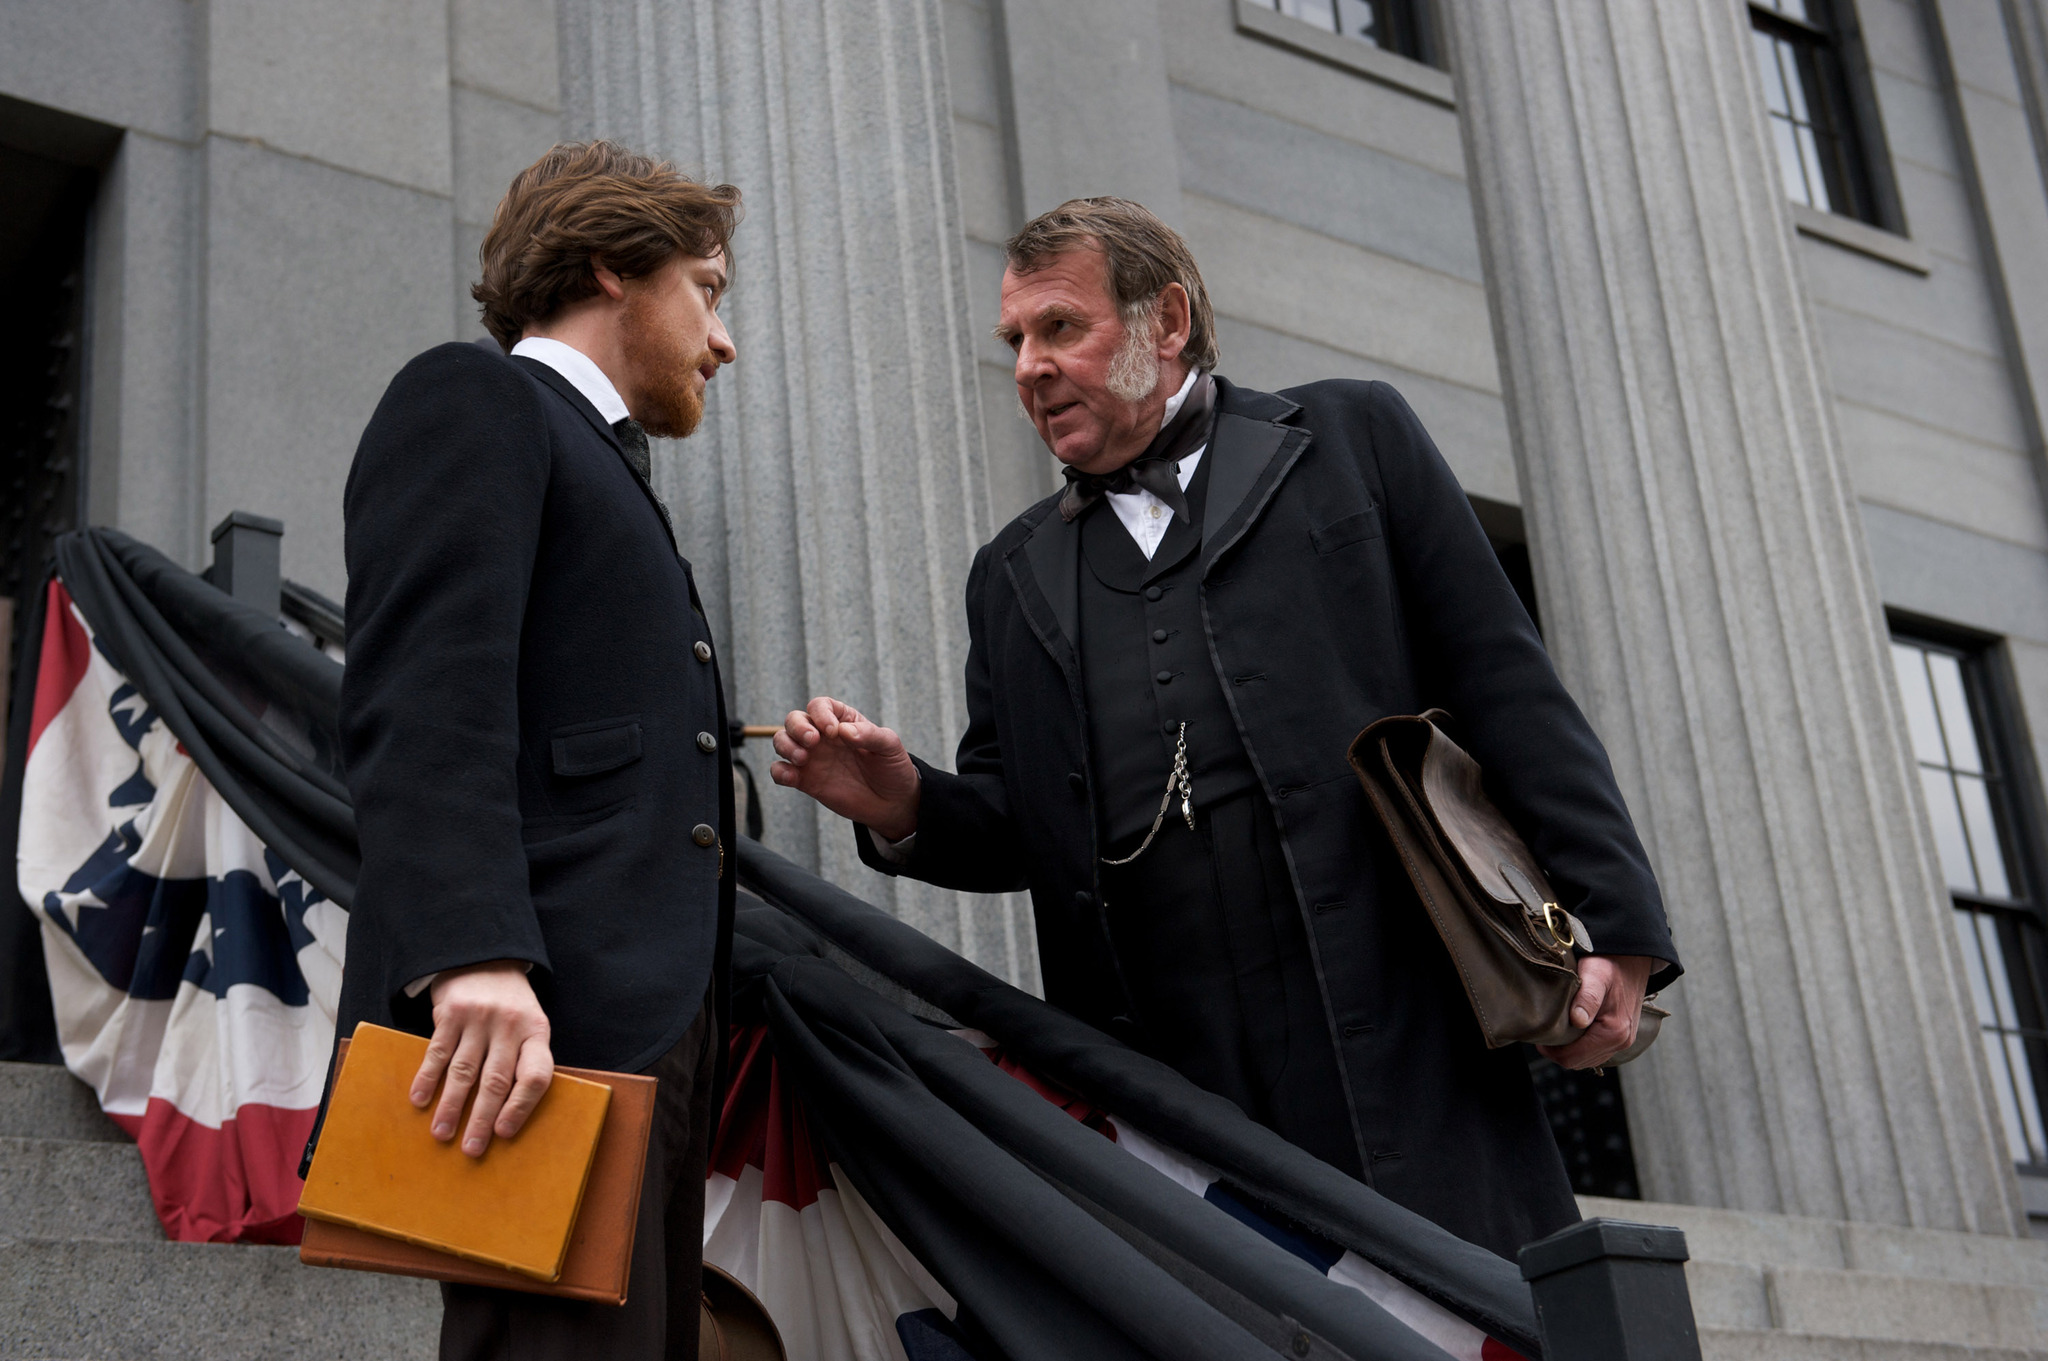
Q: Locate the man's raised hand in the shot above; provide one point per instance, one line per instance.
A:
(855, 768)
(489, 1035)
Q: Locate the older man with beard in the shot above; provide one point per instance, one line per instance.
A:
(532, 718)
(1231, 586)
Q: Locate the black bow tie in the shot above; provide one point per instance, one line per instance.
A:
(1157, 468)
(633, 440)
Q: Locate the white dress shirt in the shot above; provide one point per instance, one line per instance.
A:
(588, 379)
(581, 371)
(1145, 515)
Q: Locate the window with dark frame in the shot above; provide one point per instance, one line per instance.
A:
(1821, 113)
(1969, 766)
(1402, 27)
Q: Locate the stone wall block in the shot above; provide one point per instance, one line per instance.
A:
(1706, 592)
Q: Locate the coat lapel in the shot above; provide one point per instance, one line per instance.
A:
(1045, 570)
(1253, 451)
(567, 391)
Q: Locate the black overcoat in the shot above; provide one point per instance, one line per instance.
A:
(525, 715)
(1344, 577)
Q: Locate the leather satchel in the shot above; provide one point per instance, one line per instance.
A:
(1512, 944)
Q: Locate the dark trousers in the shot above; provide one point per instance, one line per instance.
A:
(1210, 937)
(660, 1318)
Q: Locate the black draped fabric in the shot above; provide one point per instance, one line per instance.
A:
(1054, 1242)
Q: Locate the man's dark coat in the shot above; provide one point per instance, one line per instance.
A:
(521, 715)
(1344, 578)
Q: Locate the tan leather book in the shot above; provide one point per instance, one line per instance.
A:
(383, 1194)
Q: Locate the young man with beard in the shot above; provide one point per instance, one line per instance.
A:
(1231, 586)
(532, 717)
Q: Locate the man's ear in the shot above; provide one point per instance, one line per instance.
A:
(1176, 321)
(613, 287)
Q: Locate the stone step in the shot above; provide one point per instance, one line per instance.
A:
(43, 1101)
(1738, 1344)
(107, 1301)
(1827, 1245)
(1864, 1305)
(64, 1188)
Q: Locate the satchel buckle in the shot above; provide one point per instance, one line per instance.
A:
(1562, 939)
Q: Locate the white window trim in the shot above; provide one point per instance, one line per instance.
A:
(1351, 54)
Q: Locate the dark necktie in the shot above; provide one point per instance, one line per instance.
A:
(1154, 469)
(633, 439)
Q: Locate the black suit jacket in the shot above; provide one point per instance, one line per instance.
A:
(1344, 578)
(520, 715)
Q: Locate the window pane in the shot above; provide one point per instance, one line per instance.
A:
(1956, 724)
(1994, 969)
(1918, 696)
(1360, 19)
(1788, 160)
(1773, 77)
(2028, 1100)
(1798, 68)
(1948, 829)
(1985, 849)
(1973, 965)
(2008, 1103)
(1817, 192)
(1321, 13)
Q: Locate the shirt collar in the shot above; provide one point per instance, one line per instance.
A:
(583, 374)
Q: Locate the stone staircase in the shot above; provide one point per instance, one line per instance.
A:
(85, 1273)
(1776, 1288)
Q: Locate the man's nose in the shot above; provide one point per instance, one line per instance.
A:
(1034, 363)
(721, 342)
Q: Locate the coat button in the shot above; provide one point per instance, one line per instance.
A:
(1084, 900)
(1077, 782)
(703, 651)
(703, 834)
(706, 742)
(1153, 593)
(1164, 677)
(1158, 635)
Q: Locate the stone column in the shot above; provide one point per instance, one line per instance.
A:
(836, 493)
(1707, 594)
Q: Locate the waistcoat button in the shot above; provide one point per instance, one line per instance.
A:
(706, 742)
(1076, 781)
(1158, 635)
(1164, 677)
(1153, 593)
(1084, 900)
(703, 651)
(703, 834)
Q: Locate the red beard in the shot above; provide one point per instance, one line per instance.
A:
(671, 406)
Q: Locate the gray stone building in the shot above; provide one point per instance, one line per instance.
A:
(1731, 317)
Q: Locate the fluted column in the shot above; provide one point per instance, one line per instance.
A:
(1707, 594)
(836, 493)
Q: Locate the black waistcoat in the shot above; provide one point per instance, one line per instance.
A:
(1145, 669)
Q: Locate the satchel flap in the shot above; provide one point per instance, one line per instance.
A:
(1481, 836)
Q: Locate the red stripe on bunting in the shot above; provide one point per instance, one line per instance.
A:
(235, 1184)
(764, 1126)
(67, 652)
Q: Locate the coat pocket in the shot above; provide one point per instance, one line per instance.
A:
(594, 748)
(1347, 531)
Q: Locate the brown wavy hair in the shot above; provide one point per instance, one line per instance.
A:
(588, 202)
(1144, 256)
